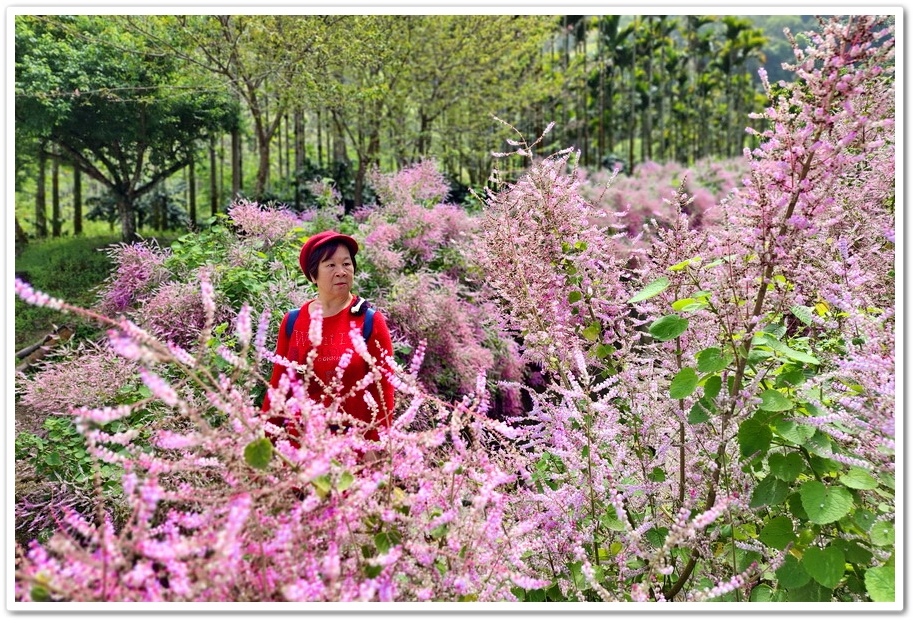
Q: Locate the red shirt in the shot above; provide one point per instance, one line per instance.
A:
(335, 341)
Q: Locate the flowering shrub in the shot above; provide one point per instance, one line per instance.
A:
(633, 201)
(254, 221)
(140, 268)
(457, 347)
(221, 514)
(417, 252)
(720, 431)
(420, 183)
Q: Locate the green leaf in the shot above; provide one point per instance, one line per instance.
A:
(373, 571)
(322, 485)
(754, 436)
(820, 445)
(610, 521)
(384, 541)
(792, 574)
(769, 492)
(682, 265)
(812, 591)
(761, 594)
(710, 360)
(40, 593)
(346, 479)
(668, 327)
(858, 478)
(53, 459)
(786, 467)
(574, 296)
(590, 333)
(714, 263)
(778, 532)
(796, 507)
(792, 377)
(880, 583)
(605, 350)
(656, 536)
(680, 304)
(653, 289)
(827, 566)
(853, 552)
(788, 352)
(683, 383)
(825, 504)
(259, 452)
(712, 387)
(773, 400)
(793, 431)
(888, 480)
(882, 533)
(689, 305)
(803, 313)
(701, 411)
(864, 518)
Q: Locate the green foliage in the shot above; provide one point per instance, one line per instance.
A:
(668, 327)
(684, 383)
(653, 289)
(105, 100)
(72, 268)
(258, 453)
(238, 283)
(61, 454)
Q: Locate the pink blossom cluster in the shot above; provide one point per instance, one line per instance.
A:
(630, 202)
(139, 269)
(269, 224)
(316, 521)
(418, 183)
(88, 374)
(599, 431)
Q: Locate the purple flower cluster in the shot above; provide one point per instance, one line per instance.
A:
(419, 183)
(140, 268)
(264, 223)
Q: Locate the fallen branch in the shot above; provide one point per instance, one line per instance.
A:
(30, 355)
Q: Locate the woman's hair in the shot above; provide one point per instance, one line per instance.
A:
(323, 252)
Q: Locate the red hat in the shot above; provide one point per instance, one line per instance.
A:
(317, 240)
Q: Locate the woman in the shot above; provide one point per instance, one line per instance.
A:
(328, 261)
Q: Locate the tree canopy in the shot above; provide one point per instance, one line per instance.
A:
(122, 115)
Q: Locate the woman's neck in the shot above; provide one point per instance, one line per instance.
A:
(331, 306)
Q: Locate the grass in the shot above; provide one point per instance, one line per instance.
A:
(71, 268)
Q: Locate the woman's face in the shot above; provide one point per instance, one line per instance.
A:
(335, 273)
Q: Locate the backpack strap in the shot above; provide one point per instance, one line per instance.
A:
(359, 308)
(367, 325)
(291, 321)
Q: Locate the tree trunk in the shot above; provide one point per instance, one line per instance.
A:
(128, 217)
(320, 150)
(260, 184)
(214, 188)
(192, 193)
(77, 201)
(22, 238)
(236, 163)
(55, 194)
(41, 207)
(299, 139)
